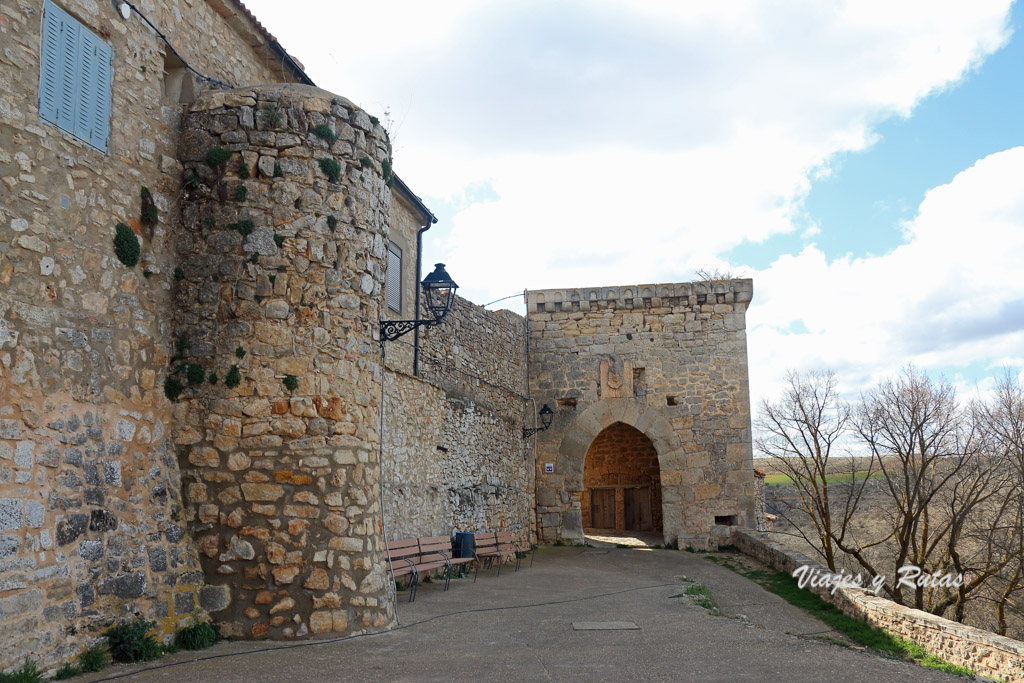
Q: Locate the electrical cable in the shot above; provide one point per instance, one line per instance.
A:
(510, 296)
(312, 643)
(171, 48)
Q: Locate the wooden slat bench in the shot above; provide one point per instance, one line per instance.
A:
(415, 556)
(498, 545)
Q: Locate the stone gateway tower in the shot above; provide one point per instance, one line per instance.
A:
(652, 428)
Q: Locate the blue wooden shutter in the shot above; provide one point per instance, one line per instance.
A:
(75, 78)
(69, 65)
(49, 65)
(92, 109)
(104, 86)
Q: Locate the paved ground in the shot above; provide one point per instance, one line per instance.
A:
(520, 625)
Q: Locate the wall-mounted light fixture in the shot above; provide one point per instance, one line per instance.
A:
(439, 289)
(546, 414)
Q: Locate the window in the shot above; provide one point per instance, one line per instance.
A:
(75, 74)
(394, 281)
(178, 83)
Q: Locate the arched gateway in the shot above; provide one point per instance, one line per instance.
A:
(621, 482)
(652, 418)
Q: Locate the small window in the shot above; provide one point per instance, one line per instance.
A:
(394, 278)
(179, 86)
(75, 74)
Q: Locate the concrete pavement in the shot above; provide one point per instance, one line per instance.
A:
(520, 625)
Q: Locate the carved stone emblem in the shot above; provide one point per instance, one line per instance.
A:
(616, 379)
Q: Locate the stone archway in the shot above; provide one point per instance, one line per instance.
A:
(621, 482)
(572, 454)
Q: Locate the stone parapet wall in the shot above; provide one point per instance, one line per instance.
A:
(280, 283)
(454, 456)
(981, 651)
(91, 522)
(479, 355)
(669, 360)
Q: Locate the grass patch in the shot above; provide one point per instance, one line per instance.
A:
(701, 595)
(28, 673)
(836, 478)
(197, 636)
(786, 587)
(131, 642)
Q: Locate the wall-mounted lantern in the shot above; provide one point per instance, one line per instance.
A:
(439, 289)
(546, 414)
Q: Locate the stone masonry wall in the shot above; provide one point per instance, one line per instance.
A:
(669, 360)
(281, 283)
(91, 521)
(454, 456)
(985, 653)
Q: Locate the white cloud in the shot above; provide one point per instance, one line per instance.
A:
(633, 142)
(952, 296)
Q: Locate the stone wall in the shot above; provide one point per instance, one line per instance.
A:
(454, 456)
(669, 360)
(91, 521)
(983, 652)
(281, 286)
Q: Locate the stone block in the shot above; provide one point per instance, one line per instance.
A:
(214, 598)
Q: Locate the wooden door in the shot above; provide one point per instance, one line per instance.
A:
(602, 508)
(638, 509)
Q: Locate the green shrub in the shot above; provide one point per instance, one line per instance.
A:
(92, 659)
(147, 273)
(241, 193)
(278, 240)
(126, 245)
(67, 670)
(240, 353)
(291, 382)
(195, 373)
(332, 222)
(213, 379)
(218, 156)
(331, 169)
(28, 673)
(282, 269)
(244, 226)
(278, 173)
(389, 176)
(234, 377)
(197, 636)
(272, 115)
(243, 171)
(172, 388)
(131, 642)
(149, 214)
(179, 274)
(324, 132)
(254, 258)
(366, 162)
(374, 120)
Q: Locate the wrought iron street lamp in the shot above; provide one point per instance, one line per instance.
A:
(439, 289)
(546, 414)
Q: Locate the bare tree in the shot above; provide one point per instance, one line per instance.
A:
(1003, 421)
(715, 274)
(802, 433)
(928, 453)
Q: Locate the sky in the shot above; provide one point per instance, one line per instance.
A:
(862, 161)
